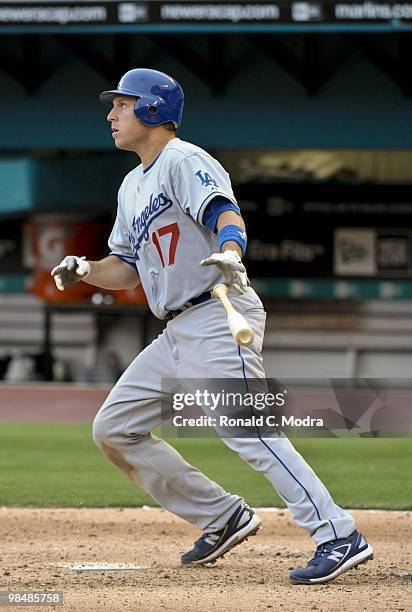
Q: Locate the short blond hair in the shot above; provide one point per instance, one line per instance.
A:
(170, 126)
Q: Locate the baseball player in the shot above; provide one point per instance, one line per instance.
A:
(179, 232)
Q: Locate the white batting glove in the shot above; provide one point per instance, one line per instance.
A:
(231, 265)
(70, 271)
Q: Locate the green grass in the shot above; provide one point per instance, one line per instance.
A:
(59, 465)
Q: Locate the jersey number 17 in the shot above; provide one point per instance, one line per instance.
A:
(173, 230)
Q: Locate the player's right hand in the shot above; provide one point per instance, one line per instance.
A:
(70, 271)
(231, 265)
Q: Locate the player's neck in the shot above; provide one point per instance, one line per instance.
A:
(149, 150)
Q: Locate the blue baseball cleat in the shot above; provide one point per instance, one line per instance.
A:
(242, 524)
(332, 559)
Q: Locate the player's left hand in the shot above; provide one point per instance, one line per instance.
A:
(231, 265)
(69, 271)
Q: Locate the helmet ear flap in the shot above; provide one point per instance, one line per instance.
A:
(149, 110)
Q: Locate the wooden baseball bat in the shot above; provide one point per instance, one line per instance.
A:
(239, 327)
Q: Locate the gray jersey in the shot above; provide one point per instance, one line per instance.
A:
(159, 224)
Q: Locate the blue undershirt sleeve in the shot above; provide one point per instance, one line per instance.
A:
(215, 208)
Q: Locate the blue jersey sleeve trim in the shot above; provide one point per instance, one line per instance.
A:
(215, 208)
(124, 258)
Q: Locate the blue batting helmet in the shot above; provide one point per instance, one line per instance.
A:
(159, 97)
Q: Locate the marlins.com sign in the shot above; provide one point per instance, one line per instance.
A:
(373, 11)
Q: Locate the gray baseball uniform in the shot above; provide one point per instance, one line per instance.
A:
(159, 230)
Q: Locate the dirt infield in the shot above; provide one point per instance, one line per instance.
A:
(37, 546)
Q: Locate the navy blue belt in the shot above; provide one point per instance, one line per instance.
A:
(203, 297)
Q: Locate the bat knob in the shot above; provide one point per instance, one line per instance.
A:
(245, 337)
